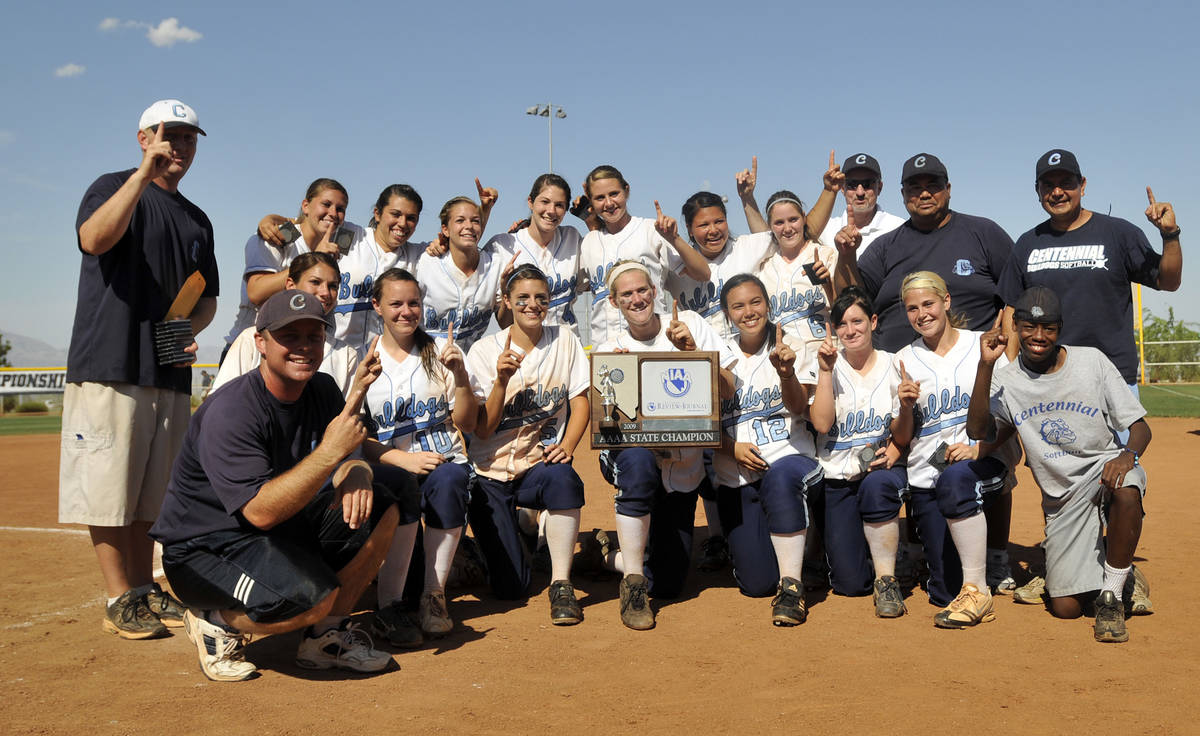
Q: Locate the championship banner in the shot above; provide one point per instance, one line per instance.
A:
(33, 380)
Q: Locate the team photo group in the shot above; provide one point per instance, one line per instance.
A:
(389, 411)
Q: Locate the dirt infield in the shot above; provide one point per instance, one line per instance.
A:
(714, 664)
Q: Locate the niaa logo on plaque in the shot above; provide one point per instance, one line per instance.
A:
(677, 382)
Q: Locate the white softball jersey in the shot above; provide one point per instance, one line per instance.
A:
(261, 257)
(535, 401)
(340, 360)
(796, 302)
(682, 469)
(355, 318)
(864, 406)
(410, 408)
(451, 296)
(559, 260)
(756, 413)
(741, 255)
(637, 241)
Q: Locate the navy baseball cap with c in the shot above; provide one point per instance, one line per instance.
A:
(1058, 160)
(923, 164)
(862, 161)
(290, 306)
(1039, 305)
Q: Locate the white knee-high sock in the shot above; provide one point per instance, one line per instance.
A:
(632, 533)
(394, 571)
(562, 530)
(884, 539)
(789, 553)
(440, 546)
(970, 539)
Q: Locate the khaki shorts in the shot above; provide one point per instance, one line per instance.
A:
(119, 442)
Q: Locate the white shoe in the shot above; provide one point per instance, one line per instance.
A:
(346, 647)
(220, 651)
(999, 573)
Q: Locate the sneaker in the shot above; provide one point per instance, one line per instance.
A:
(435, 619)
(467, 570)
(787, 607)
(593, 551)
(165, 606)
(1110, 619)
(1031, 593)
(635, 608)
(130, 618)
(221, 652)
(564, 609)
(999, 573)
(889, 601)
(714, 554)
(396, 625)
(972, 606)
(346, 647)
(1137, 593)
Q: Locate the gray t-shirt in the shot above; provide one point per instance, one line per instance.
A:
(1066, 418)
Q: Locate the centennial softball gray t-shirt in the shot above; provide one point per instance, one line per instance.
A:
(1066, 418)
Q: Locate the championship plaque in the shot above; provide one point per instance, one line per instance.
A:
(657, 399)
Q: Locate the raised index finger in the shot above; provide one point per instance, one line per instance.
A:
(508, 342)
(450, 335)
(754, 166)
(479, 187)
(1150, 194)
(658, 208)
(832, 159)
(674, 306)
(999, 320)
(158, 138)
(778, 334)
(903, 373)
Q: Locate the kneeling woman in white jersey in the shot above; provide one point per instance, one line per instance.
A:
(317, 274)
(461, 285)
(656, 490)
(952, 480)
(863, 409)
(767, 463)
(532, 384)
(419, 406)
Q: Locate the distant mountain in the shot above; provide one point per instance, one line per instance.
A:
(28, 352)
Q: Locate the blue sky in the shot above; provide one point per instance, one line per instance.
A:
(677, 96)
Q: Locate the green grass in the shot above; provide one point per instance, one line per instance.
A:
(11, 424)
(1171, 399)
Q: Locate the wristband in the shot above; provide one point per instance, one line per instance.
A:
(790, 373)
(1173, 235)
(1131, 452)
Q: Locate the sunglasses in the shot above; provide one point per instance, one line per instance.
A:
(854, 184)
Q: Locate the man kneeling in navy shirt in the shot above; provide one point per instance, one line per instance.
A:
(271, 523)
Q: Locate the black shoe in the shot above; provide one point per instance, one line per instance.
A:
(564, 609)
(130, 618)
(1110, 619)
(165, 606)
(889, 601)
(714, 554)
(787, 607)
(635, 608)
(395, 625)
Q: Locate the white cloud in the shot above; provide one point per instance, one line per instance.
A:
(167, 33)
(6, 137)
(70, 70)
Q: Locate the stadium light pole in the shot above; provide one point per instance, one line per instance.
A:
(545, 112)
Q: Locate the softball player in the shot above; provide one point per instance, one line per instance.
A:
(623, 237)
(531, 382)
(766, 466)
(863, 410)
(951, 479)
(315, 273)
(799, 301)
(385, 244)
(461, 286)
(656, 490)
(419, 405)
(268, 253)
(549, 245)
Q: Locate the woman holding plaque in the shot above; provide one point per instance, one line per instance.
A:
(656, 489)
(532, 383)
(766, 466)
(863, 409)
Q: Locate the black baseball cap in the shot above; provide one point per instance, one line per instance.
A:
(1038, 305)
(862, 161)
(923, 164)
(1058, 160)
(290, 306)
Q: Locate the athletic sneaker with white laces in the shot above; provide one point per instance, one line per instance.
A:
(999, 573)
(970, 607)
(220, 651)
(1110, 619)
(346, 647)
(435, 618)
(165, 606)
(1137, 593)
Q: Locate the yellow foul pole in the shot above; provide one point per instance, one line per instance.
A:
(1141, 335)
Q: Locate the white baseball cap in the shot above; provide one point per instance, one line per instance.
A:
(170, 113)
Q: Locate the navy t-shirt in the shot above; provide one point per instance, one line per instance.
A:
(124, 291)
(969, 252)
(1090, 268)
(240, 438)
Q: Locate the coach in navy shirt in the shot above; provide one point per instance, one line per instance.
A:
(1089, 260)
(969, 252)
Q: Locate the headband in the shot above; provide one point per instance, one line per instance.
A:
(623, 266)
